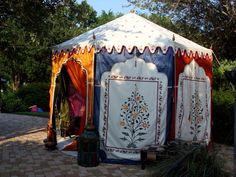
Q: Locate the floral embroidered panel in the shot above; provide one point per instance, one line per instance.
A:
(193, 119)
(133, 108)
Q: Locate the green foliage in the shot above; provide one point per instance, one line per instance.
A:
(12, 103)
(69, 20)
(205, 164)
(208, 22)
(219, 79)
(223, 116)
(106, 17)
(22, 42)
(28, 31)
(30, 28)
(162, 20)
(190, 161)
(223, 103)
(35, 94)
(85, 14)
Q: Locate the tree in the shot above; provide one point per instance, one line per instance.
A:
(161, 20)
(106, 17)
(85, 14)
(22, 24)
(214, 21)
(29, 29)
(220, 81)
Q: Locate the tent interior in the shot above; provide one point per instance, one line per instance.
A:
(136, 86)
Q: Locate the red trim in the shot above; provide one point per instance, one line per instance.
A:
(141, 49)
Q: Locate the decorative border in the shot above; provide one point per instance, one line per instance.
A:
(106, 109)
(181, 112)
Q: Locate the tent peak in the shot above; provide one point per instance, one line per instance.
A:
(132, 30)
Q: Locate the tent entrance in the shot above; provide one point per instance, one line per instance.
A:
(71, 99)
(78, 67)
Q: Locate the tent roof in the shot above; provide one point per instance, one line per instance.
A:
(132, 30)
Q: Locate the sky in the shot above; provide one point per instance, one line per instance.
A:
(115, 6)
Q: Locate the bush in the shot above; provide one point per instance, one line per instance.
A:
(190, 161)
(223, 103)
(35, 94)
(12, 103)
(219, 79)
(223, 116)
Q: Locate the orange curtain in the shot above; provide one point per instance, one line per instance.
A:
(77, 76)
(87, 59)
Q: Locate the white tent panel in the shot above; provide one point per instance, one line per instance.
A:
(132, 30)
(133, 109)
(194, 104)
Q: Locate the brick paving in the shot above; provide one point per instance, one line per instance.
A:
(22, 154)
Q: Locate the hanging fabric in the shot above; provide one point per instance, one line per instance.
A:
(64, 118)
(124, 84)
(77, 76)
(192, 121)
(77, 102)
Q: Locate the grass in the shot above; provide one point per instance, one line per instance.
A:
(38, 114)
(190, 161)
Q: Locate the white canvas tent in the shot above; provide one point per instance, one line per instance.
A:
(136, 75)
(131, 31)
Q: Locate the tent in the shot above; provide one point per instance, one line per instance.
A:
(137, 83)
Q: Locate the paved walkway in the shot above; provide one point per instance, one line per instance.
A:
(22, 154)
(226, 154)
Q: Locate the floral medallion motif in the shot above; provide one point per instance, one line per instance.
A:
(196, 115)
(134, 119)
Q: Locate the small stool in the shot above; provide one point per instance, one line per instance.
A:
(158, 150)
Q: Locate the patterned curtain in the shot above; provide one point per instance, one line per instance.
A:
(192, 111)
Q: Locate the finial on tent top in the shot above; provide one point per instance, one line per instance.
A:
(94, 37)
(133, 11)
(173, 37)
(211, 47)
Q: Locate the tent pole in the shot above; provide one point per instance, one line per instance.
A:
(90, 94)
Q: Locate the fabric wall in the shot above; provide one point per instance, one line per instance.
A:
(192, 120)
(117, 84)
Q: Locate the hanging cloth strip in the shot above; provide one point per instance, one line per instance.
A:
(76, 102)
(64, 117)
